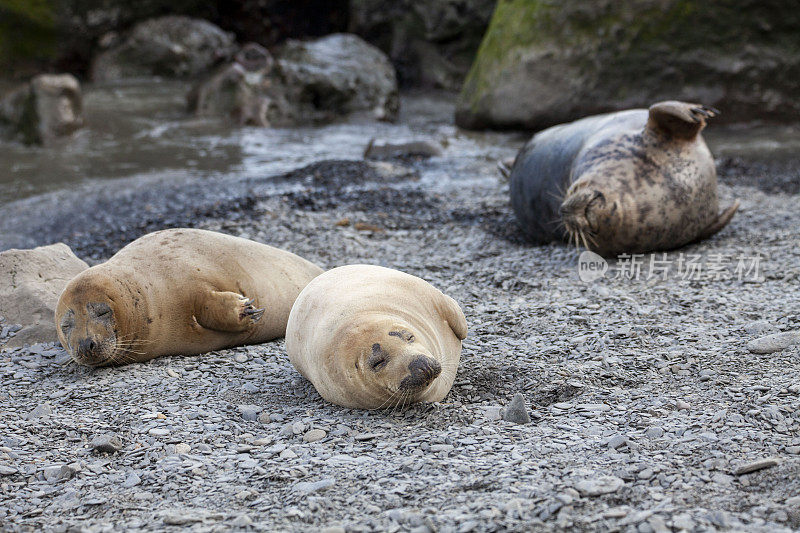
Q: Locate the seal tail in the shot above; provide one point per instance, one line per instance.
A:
(721, 221)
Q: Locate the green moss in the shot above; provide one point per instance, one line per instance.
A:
(622, 38)
(27, 31)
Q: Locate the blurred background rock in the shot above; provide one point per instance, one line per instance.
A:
(431, 43)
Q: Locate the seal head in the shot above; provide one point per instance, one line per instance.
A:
(94, 327)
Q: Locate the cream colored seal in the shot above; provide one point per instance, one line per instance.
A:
(371, 337)
(633, 181)
(179, 291)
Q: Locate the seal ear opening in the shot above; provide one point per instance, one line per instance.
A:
(450, 311)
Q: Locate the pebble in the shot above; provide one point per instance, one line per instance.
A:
(617, 441)
(287, 454)
(774, 343)
(132, 480)
(313, 486)
(180, 519)
(516, 411)
(755, 466)
(682, 405)
(40, 411)
(240, 358)
(758, 327)
(7, 470)
(264, 418)
(250, 412)
(158, 432)
(242, 520)
(106, 443)
(182, 448)
(599, 485)
(794, 501)
(249, 388)
(654, 432)
(314, 435)
(493, 413)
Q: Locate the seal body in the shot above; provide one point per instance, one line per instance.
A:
(371, 337)
(633, 181)
(179, 291)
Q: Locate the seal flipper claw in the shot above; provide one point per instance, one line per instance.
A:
(227, 311)
(720, 222)
(680, 119)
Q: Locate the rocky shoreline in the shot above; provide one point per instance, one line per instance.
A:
(649, 412)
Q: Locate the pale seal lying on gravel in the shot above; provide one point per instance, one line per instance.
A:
(371, 337)
(179, 291)
(633, 181)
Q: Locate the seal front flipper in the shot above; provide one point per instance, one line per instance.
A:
(227, 311)
(680, 119)
(451, 311)
(720, 222)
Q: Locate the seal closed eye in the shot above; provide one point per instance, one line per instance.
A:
(179, 291)
(371, 337)
(633, 181)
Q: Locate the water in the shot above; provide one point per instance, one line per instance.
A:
(141, 131)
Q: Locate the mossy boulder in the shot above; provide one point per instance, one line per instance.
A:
(543, 62)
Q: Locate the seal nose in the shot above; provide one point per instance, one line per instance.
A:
(86, 347)
(423, 370)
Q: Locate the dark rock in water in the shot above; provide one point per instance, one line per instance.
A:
(388, 149)
(340, 74)
(171, 46)
(516, 411)
(311, 82)
(45, 109)
(431, 43)
(544, 63)
(30, 283)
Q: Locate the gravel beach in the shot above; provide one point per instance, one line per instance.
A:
(648, 411)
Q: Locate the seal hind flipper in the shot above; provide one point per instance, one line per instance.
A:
(720, 222)
(227, 311)
(680, 119)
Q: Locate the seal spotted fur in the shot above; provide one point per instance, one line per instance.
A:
(633, 181)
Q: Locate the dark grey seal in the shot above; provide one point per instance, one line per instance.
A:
(633, 181)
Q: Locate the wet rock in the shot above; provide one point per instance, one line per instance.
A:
(340, 74)
(430, 43)
(30, 283)
(516, 411)
(310, 82)
(599, 485)
(545, 63)
(774, 343)
(107, 443)
(44, 110)
(244, 91)
(170, 46)
(388, 149)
